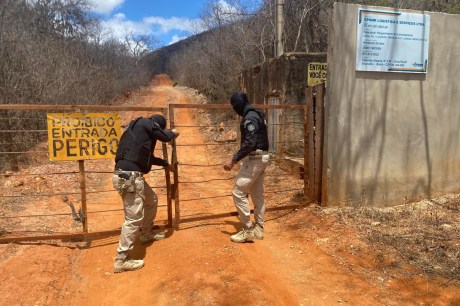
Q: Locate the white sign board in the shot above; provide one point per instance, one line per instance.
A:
(392, 41)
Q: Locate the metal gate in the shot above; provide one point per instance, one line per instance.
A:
(312, 147)
(273, 128)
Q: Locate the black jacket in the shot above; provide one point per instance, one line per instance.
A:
(254, 134)
(137, 144)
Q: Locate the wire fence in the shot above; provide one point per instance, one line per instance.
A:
(213, 121)
(52, 193)
(32, 182)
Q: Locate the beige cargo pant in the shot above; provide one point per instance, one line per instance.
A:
(140, 205)
(250, 181)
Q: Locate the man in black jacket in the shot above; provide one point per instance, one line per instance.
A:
(250, 178)
(134, 158)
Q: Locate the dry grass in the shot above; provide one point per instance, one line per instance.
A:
(425, 234)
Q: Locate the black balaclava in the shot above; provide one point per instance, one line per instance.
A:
(160, 120)
(239, 102)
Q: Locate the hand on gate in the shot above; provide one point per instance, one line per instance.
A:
(229, 165)
(176, 133)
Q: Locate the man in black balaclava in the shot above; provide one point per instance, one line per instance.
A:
(134, 158)
(250, 178)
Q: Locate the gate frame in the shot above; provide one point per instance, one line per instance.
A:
(313, 144)
(85, 234)
(173, 106)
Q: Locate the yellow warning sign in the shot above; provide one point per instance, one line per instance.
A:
(317, 73)
(76, 136)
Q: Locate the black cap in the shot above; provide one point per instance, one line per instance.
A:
(239, 101)
(160, 120)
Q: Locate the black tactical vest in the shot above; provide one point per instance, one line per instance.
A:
(130, 149)
(261, 134)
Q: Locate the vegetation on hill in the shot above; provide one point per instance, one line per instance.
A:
(244, 36)
(54, 52)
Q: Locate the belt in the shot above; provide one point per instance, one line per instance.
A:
(129, 173)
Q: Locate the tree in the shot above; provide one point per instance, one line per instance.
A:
(240, 35)
(54, 52)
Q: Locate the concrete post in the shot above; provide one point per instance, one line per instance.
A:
(279, 19)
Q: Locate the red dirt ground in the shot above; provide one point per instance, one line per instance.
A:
(307, 258)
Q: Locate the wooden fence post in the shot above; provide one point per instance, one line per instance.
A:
(313, 156)
(318, 139)
(305, 146)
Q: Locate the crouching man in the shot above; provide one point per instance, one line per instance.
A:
(134, 158)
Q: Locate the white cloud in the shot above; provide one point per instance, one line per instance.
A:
(118, 26)
(225, 7)
(106, 6)
(176, 38)
(165, 25)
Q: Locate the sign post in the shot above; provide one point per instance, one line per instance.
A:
(81, 169)
(76, 136)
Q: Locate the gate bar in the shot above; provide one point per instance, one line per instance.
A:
(175, 189)
(81, 236)
(228, 106)
(168, 187)
(78, 107)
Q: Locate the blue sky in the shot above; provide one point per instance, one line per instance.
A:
(167, 20)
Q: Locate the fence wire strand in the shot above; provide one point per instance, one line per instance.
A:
(230, 195)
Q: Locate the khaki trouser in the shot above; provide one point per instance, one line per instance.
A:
(140, 205)
(250, 181)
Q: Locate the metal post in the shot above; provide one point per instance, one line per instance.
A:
(176, 183)
(175, 189)
(305, 148)
(81, 168)
(168, 186)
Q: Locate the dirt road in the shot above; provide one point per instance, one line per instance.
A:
(307, 258)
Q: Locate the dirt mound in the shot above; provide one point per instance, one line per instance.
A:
(162, 80)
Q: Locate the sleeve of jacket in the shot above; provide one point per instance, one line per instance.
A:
(159, 161)
(156, 133)
(162, 135)
(250, 125)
